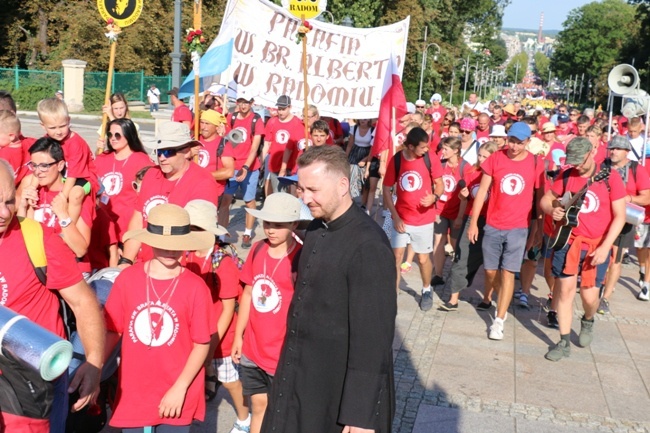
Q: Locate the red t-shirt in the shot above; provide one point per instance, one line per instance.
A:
(22, 291)
(272, 281)
(482, 136)
(473, 179)
(596, 212)
(223, 284)
(281, 135)
(15, 156)
(119, 197)
(243, 149)
(556, 154)
(413, 183)
(208, 158)
(102, 235)
(79, 160)
(177, 319)
(438, 115)
(512, 190)
(601, 153)
(336, 130)
(449, 202)
(182, 113)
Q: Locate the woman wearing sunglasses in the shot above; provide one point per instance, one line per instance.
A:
(117, 167)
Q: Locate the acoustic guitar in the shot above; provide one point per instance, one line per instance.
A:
(565, 226)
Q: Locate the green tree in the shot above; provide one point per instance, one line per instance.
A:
(639, 48)
(516, 68)
(541, 66)
(593, 37)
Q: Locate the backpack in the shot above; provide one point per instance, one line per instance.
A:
(397, 161)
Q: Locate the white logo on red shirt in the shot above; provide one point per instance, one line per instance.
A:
(512, 184)
(591, 203)
(244, 133)
(282, 136)
(163, 324)
(5, 289)
(43, 214)
(302, 143)
(482, 140)
(410, 181)
(449, 182)
(436, 116)
(113, 183)
(204, 158)
(266, 296)
(152, 202)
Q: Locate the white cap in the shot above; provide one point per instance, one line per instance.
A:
(420, 102)
(216, 89)
(436, 97)
(410, 107)
(498, 131)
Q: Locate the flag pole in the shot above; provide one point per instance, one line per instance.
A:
(114, 30)
(305, 110)
(197, 114)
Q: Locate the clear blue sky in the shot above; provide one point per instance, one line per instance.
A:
(525, 13)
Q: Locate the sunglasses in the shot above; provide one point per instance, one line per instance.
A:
(168, 153)
(117, 135)
(41, 167)
(419, 106)
(464, 131)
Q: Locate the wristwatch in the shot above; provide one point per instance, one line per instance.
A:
(245, 167)
(65, 222)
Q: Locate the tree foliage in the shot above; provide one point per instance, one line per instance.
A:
(541, 66)
(516, 68)
(593, 38)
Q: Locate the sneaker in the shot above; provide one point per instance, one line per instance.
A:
(549, 301)
(603, 307)
(586, 332)
(518, 293)
(448, 307)
(643, 295)
(496, 330)
(246, 242)
(483, 306)
(405, 268)
(523, 301)
(559, 351)
(426, 302)
(240, 428)
(437, 281)
(551, 320)
(626, 260)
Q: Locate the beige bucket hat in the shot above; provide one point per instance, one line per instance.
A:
(203, 214)
(279, 207)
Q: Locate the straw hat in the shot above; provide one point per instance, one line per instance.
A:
(279, 207)
(510, 109)
(168, 228)
(203, 214)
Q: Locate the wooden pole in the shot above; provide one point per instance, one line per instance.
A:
(107, 99)
(305, 110)
(197, 113)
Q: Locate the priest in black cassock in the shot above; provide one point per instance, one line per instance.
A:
(336, 368)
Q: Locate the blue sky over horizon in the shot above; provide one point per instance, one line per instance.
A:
(525, 14)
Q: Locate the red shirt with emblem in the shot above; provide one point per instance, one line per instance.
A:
(282, 135)
(79, 160)
(272, 281)
(117, 177)
(413, 183)
(208, 158)
(482, 136)
(438, 116)
(243, 149)
(223, 284)
(449, 202)
(596, 212)
(512, 190)
(182, 113)
(160, 321)
(473, 179)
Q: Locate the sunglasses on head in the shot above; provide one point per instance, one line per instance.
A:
(168, 153)
(117, 135)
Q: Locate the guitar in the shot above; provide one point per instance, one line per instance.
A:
(565, 226)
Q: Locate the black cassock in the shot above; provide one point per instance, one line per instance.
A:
(336, 366)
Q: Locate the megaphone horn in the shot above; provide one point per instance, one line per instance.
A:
(623, 79)
(235, 137)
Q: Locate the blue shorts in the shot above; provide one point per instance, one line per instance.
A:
(503, 249)
(248, 186)
(559, 260)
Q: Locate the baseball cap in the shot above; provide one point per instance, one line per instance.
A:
(420, 103)
(173, 92)
(619, 142)
(283, 101)
(436, 97)
(520, 131)
(548, 127)
(576, 150)
(562, 118)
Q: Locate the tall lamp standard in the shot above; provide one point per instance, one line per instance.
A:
(424, 60)
(453, 75)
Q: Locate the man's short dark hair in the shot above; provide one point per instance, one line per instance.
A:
(530, 120)
(333, 157)
(582, 120)
(320, 125)
(416, 136)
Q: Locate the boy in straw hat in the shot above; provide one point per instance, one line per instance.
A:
(217, 266)
(163, 313)
(269, 275)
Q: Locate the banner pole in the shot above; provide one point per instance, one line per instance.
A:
(107, 98)
(197, 114)
(305, 110)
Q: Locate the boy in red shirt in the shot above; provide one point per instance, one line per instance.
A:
(418, 186)
(269, 274)
(514, 179)
(11, 146)
(601, 218)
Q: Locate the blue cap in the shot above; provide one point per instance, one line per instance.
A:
(520, 131)
(562, 118)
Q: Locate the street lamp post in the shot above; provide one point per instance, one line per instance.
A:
(321, 19)
(424, 63)
(467, 68)
(517, 72)
(347, 21)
